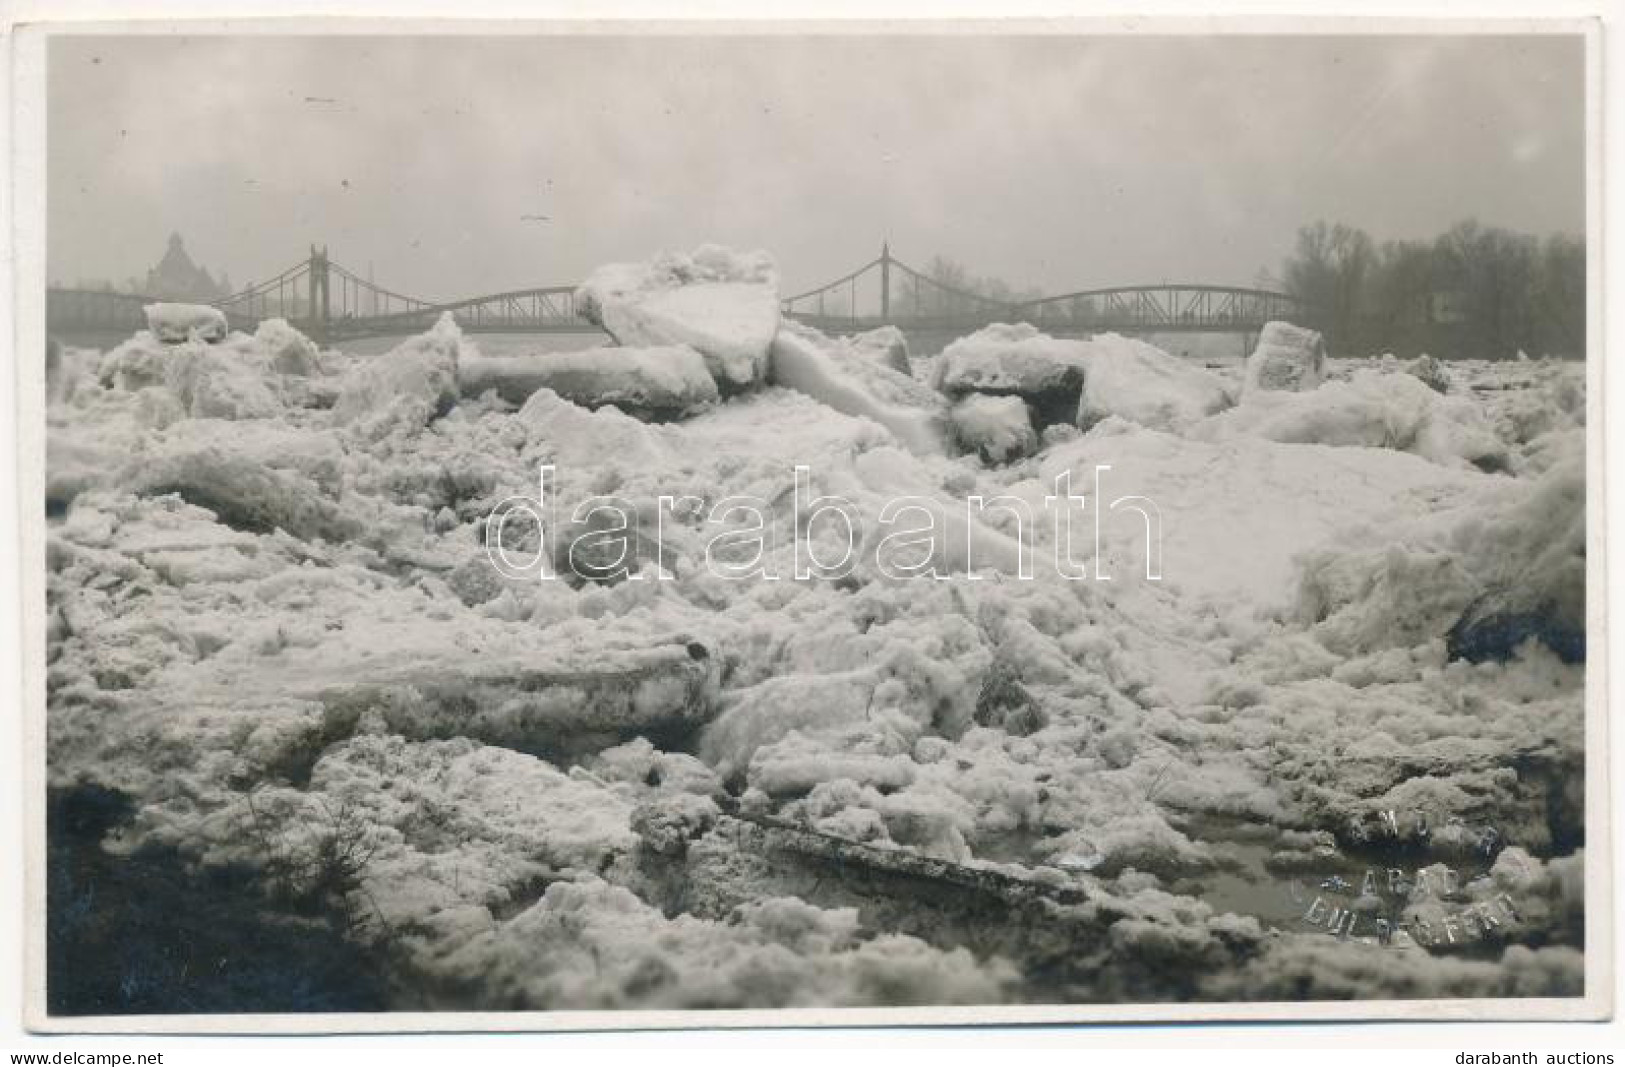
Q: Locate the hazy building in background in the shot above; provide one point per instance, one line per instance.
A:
(176, 277)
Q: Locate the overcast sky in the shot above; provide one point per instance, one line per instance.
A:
(1056, 163)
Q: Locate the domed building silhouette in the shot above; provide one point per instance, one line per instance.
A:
(176, 277)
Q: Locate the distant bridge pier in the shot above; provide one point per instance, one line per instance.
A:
(321, 305)
(885, 280)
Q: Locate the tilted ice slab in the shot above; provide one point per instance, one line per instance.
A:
(804, 362)
(723, 304)
(406, 387)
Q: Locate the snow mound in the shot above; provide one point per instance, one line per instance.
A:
(1507, 566)
(723, 304)
(592, 944)
(209, 380)
(1373, 409)
(1287, 357)
(1253, 503)
(1327, 968)
(999, 428)
(405, 388)
(656, 383)
(1528, 400)
(104, 409)
(174, 323)
(1142, 383)
(214, 383)
(66, 368)
(1015, 360)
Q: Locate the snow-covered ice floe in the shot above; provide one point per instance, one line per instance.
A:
(1081, 381)
(275, 628)
(172, 323)
(1018, 360)
(724, 305)
(658, 383)
(1372, 409)
(1139, 382)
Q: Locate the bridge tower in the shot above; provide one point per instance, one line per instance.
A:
(320, 301)
(885, 281)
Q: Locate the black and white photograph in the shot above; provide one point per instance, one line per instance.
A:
(739, 525)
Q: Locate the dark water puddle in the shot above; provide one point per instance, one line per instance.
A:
(143, 934)
(1302, 896)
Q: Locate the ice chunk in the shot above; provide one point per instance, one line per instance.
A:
(173, 323)
(316, 454)
(577, 437)
(1505, 567)
(778, 707)
(242, 491)
(997, 427)
(214, 384)
(406, 387)
(886, 345)
(135, 363)
(723, 304)
(793, 767)
(1430, 372)
(1287, 357)
(589, 944)
(1253, 503)
(66, 368)
(1526, 400)
(799, 362)
(1142, 383)
(289, 351)
(668, 823)
(580, 702)
(209, 380)
(1373, 409)
(658, 383)
(877, 378)
(1016, 360)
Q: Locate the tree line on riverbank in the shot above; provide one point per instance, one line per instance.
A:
(1473, 292)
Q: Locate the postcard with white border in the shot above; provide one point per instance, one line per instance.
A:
(568, 524)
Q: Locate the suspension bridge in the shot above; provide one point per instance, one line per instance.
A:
(331, 303)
